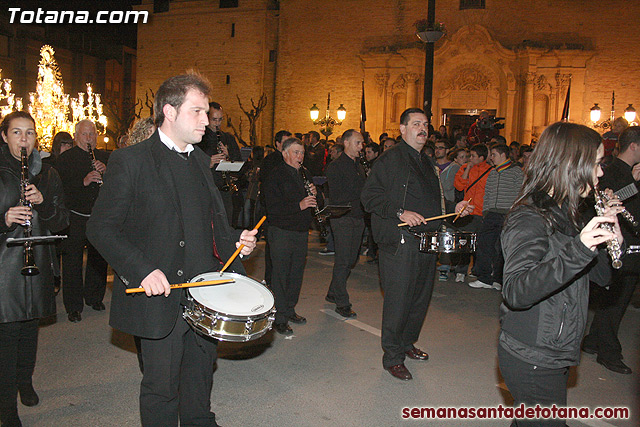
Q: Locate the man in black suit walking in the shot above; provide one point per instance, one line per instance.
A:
(160, 219)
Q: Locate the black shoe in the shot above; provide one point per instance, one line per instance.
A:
(283, 328)
(296, 318)
(588, 349)
(346, 312)
(97, 306)
(617, 366)
(75, 316)
(28, 395)
(417, 354)
(330, 299)
(400, 371)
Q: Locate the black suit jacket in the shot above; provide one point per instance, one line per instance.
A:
(137, 226)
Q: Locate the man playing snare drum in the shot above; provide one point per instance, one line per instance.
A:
(404, 188)
(159, 219)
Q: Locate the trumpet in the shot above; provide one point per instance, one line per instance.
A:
(613, 245)
(29, 267)
(228, 185)
(93, 160)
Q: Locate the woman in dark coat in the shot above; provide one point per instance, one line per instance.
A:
(550, 257)
(24, 299)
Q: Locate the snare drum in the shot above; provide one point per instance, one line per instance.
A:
(461, 242)
(240, 311)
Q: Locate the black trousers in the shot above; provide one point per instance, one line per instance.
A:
(177, 379)
(489, 260)
(75, 289)
(18, 347)
(533, 385)
(288, 257)
(407, 281)
(347, 234)
(611, 306)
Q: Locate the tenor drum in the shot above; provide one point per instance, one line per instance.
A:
(461, 242)
(240, 311)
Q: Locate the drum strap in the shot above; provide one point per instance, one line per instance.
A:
(442, 202)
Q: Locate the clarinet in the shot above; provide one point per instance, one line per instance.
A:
(228, 185)
(365, 164)
(316, 210)
(93, 160)
(613, 245)
(29, 267)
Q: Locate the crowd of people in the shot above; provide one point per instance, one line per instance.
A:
(162, 210)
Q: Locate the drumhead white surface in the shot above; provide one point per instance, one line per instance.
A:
(244, 297)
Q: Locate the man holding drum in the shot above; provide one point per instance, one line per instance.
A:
(404, 188)
(160, 219)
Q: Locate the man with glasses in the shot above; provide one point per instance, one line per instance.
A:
(220, 145)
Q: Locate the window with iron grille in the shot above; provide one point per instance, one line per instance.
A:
(471, 4)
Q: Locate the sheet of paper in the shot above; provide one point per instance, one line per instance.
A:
(225, 166)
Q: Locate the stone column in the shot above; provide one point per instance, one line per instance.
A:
(412, 88)
(529, 79)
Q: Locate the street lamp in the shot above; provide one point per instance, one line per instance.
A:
(630, 113)
(595, 113)
(327, 123)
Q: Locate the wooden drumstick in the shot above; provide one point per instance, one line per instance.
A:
(186, 285)
(458, 216)
(430, 219)
(235, 254)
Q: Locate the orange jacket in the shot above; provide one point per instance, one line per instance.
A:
(477, 191)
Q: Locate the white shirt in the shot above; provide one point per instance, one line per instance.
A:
(172, 145)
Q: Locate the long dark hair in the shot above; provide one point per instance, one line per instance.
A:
(562, 163)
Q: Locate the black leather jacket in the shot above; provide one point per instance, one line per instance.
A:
(547, 270)
(28, 297)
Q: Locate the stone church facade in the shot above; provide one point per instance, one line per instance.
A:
(515, 58)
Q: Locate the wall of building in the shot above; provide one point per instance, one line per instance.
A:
(333, 46)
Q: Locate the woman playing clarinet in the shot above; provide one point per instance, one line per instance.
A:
(550, 257)
(26, 295)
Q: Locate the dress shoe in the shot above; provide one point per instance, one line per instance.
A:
(296, 318)
(283, 328)
(330, 298)
(588, 349)
(75, 316)
(97, 306)
(400, 371)
(346, 312)
(28, 395)
(417, 354)
(617, 366)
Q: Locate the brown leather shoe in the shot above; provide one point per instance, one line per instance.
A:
(417, 354)
(400, 371)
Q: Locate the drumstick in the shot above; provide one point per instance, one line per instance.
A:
(186, 285)
(235, 254)
(430, 219)
(458, 216)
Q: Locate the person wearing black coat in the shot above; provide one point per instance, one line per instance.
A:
(159, 219)
(550, 257)
(24, 299)
(404, 187)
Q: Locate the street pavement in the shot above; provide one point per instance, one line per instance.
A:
(329, 373)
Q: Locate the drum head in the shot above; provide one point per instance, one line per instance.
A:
(244, 297)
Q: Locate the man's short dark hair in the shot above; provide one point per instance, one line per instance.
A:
(374, 147)
(629, 136)
(460, 136)
(298, 135)
(481, 150)
(338, 147)
(282, 134)
(383, 136)
(315, 135)
(500, 139)
(404, 118)
(348, 134)
(501, 148)
(214, 106)
(289, 142)
(174, 90)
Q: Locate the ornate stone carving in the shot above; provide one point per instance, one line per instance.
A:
(530, 77)
(412, 78)
(399, 84)
(381, 82)
(542, 83)
(469, 78)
